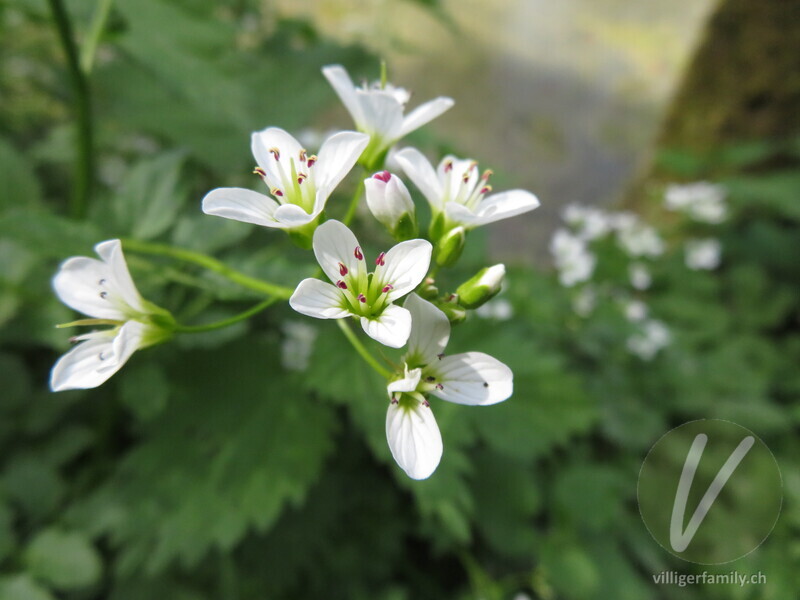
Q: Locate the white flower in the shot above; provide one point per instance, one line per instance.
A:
(378, 111)
(103, 290)
(357, 293)
(390, 203)
(703, 255)
(591, 223)
(471, 378)
(635, 311)
(636, 238)
(572, 258)
(701, 201)
(640, 276)
(459, 192)
(299, 183)
(584, 302)
(652, 337)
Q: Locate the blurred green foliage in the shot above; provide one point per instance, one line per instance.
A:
(206, 470)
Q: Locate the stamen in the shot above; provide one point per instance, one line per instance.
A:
(301, 177)
(439, 387)
(486, 189)
(387, 288)
(357, 253)
(311, 160)
(426, 404)
(104, 295)
(379, 261)
(384, 176)
(276, 192)
(448, 166)
(485, 384)
(101, 282)
(260, 172)
(486, 174)
(101, 357)
(73, 339)
(342, 269)
(302, 155)
(341, 284)
(276, 154)
(440, 356)
(362, 298)
(430, 379)
(394, 400)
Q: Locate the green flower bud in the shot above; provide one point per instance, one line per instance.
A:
(449, 247)
(482, 287)
(454, 311)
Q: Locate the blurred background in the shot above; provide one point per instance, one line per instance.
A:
(251, 462)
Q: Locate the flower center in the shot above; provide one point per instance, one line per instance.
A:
(365, 294)
(295, 179)
(465, 188)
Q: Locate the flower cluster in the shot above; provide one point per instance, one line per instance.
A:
(362, 286)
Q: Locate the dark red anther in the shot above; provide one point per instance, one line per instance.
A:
(276, 154)
(426, 404)
(379, 261)
(448, 166)
(260, 172)
(362, 298)
(486, 174)
(342, 269)
(357, 253)
(439, 387)
(311, 160)
(301, 177)
(394, 400)
(383, 176)
(341, 284)
(387, 288)
(303, 155)
(486, 189)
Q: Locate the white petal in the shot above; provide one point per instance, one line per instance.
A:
(391, 328)
(421, 172)
(97, 358)
(425, 113)
(494, 208)
(472, 378)
(241, 204)
(383, 114)
(405, 266)
(334, 243)
(430, 330)
(336, 157)
(261, 142)
(289, 216)
(388, 201)
(315, 298)
(87, 285)
(408, 383)
(414, 438)
(111, 253)
(343, 86)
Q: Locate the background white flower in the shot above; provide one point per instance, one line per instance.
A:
(653, 336)
(103, 290)
(703, 255)
(459, 191)
(470, 378)
(572, 258)
(299, 183)
(355, 292)
(701, 201)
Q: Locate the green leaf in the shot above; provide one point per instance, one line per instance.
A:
(22, 587)
(18, 183)
(65, 560)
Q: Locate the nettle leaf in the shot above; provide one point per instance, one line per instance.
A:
(233, 447)
(64, 560)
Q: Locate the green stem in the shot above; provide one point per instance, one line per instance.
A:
(93, 37)
(229, 321)
(84, 171)
(362, 351)
(351, 210)
(212, 264)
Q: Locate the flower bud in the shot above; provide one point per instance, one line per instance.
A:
(390, 203)
(449, 246)
(482, 287)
